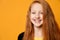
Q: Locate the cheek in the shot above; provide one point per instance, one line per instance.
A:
(32, 16)
(41, 16)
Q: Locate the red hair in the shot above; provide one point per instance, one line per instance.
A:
(50, 27)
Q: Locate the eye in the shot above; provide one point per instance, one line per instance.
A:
(33, 12)
(40, 12)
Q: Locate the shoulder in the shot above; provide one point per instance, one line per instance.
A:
(20, 36)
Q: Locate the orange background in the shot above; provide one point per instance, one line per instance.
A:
(13, 16)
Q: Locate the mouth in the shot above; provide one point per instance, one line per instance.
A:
(37, 21)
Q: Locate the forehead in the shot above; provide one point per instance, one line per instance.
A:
(36, 7)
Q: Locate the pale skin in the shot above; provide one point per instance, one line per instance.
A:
(36, 17)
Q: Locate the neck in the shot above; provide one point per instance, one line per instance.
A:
(38, 31)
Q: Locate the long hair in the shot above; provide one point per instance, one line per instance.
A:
(50, 27)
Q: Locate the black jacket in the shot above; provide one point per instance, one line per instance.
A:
(21, 36)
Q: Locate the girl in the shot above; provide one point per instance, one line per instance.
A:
(41, 24)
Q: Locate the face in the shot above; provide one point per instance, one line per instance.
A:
(36, 15)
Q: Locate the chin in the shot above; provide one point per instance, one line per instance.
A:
(38, 25)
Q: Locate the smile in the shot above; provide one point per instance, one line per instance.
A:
(37, 20)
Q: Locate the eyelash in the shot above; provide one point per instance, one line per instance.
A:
(33, 12)
(39, 12)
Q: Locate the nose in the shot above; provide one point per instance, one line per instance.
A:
(37, 16)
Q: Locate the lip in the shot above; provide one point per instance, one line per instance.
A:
(37, 20)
